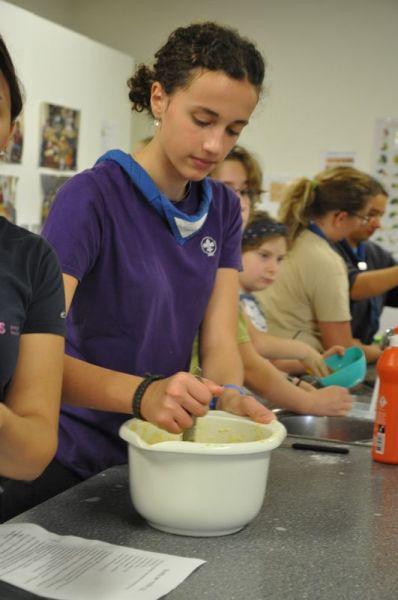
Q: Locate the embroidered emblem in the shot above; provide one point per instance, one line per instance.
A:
(2, 328)
(209, 246)
(14, 329)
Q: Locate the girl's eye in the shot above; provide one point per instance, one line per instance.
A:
(200, 123)
(233, 133)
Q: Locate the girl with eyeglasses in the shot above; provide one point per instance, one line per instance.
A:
(310, 301)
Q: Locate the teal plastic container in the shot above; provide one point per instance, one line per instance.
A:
(348, 370)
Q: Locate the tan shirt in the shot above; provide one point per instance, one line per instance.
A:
(311, 287)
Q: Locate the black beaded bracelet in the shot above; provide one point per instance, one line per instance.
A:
(139, 394)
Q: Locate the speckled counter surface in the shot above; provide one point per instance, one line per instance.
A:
(328, 530)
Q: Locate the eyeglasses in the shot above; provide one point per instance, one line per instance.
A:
(243, 192)
(365, 219)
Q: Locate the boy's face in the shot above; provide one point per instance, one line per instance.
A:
(261, 266)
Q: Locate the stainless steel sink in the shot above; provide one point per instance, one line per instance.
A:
(336, 429)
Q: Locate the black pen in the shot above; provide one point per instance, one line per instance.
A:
(320, 448)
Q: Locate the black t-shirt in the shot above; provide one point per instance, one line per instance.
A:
(364, 325)
(31, 293)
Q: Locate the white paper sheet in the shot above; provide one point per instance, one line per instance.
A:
(73, 568)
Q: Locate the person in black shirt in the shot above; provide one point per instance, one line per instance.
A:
(32, 323)
(365, 256)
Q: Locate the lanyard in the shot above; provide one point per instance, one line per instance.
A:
(357, 255)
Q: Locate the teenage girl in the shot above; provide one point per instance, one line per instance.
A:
(150, 250)
(310, 301)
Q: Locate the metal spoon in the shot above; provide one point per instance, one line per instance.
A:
(188, 435)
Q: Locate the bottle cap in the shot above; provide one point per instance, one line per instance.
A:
(393, 341)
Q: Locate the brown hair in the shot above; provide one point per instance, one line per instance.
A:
(199, 46)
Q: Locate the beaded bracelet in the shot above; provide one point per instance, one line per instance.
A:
(139, 394)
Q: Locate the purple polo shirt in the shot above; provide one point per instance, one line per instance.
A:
(141, 296)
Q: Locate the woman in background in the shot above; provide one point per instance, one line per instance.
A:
(310, 301)
(32, 323)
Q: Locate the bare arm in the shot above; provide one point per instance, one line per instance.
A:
(374, 282)
(167, 403)
(29, 416)
(282, 351)
(339, 333)
(220, 357)
(266, 381)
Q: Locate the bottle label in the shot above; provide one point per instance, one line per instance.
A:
(380, 439)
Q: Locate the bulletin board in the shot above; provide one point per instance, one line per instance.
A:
(76, 108)
(385, 168)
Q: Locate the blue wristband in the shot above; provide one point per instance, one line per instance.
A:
(239, 389)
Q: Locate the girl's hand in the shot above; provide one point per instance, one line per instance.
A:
(244, 406)
(331, 401)
(314, 364)
(340, 350)
(169, 403)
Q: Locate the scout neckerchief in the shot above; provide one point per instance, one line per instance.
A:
(318, 231)
(182, 226)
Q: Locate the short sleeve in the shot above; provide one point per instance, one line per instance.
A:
(74, 225)
(46, 309)
(232, 237)
(243, 334)
(330, 298)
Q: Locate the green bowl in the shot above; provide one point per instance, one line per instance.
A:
(347, 370)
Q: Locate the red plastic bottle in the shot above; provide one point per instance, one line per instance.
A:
(385, 432)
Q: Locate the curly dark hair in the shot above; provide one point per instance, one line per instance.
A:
(198, 46)
(8, 70)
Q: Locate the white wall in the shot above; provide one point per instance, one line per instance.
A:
(332, 66)
(61, 67)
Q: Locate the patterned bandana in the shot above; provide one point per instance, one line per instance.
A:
(263, 229)
(182, 226)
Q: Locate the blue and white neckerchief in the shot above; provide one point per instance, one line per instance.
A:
(182, 226)
(318, 231)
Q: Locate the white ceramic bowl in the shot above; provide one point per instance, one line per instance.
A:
(213, 486)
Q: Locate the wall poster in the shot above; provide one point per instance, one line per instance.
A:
(59, 137)
(385, 169)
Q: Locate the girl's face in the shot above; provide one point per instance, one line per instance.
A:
(5, 112)
(199, 124)
(234, 175)
(261, 266)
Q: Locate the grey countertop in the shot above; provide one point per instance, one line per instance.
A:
(328, 530)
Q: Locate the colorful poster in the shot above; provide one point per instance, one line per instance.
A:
(59, 137)
(50, 184)
(13, 152)
(385, 169)
(8, 191)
